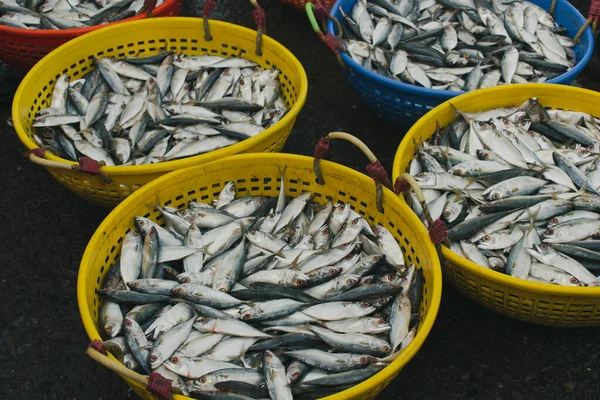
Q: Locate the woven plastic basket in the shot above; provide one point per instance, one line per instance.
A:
(146, 37)
(22, 48)
(403, 104)
(254, 175)
(300, 4)
(537, 303)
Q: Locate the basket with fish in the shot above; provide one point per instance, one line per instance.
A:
(262, 276)
(405, 57)
(31, 29)
(114, 109)
(516, 180)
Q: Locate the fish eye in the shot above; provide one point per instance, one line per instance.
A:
(108, 328)
(485, 155)
(574, 280)
(495, 196)
(332, 271)
(485, 238)
(549, 231)
(386, 348)
(381, 321)
(590, 147)
(153, 358)
(222, 290)
(128, 364)
(506, 122)
(367, 281)
(177, 291)
(174, 360)
(446, 214)
(554, 220)
(366, 305)
(295, 375)
(268, 354)
(364, 360)
(543, 246)
(299, 282)
(351, 281)
(246, 316)
(128, 322)
(202, 380)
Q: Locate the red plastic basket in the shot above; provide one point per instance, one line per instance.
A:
(300, 4)
(23, 48)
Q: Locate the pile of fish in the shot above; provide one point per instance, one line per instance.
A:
(260, 297)
(66, 14)
(518, 189)
(159, 108)
(457, 45)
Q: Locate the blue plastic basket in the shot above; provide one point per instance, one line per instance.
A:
(403, 104)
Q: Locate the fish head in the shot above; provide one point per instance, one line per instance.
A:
(426, 179)
(544, 252)
(136, 284)
(553, 234)
(366, 280)
(497, 263)
(381, 301)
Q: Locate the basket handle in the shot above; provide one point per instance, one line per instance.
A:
(155, 383)
(85, 164)
(260, 19)
(375, 169)
(149, 6)
(437, 228)
(318, 11)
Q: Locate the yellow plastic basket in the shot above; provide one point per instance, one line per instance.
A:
(258, 174)
(537, 303)
(143, 38)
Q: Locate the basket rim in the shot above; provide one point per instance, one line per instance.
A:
(96, 35)
(113, 217)
(587, 37)
(402, 157)
(70, 33)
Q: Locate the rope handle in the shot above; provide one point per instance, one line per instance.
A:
(208, 8)
(155, 383)
(318, 11)
(374, 169)
(260, 19)
(437, 228)
(85, 164)
(149, 6)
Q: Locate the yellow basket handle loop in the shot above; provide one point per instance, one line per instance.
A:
(375, 169)
(260, 19)
(155, 383)
(209, 6)
(86, 164)
(437, 228)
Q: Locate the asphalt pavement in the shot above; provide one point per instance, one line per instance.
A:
(471, 353)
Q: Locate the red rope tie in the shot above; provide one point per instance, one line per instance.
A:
(149, 5)
(260, 17)
(322, 147)
(89, 165)
(36, 152)
(209, 6)
(437, 232)
(320, 11)
(401, 186)
(159, 386)
(377, 171)
(98, 346)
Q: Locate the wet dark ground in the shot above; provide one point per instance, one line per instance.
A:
(471, 353)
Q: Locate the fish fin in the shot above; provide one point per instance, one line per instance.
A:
(294, 265)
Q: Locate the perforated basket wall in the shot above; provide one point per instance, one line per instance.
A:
(143, 38)
(403, 104)
(259, 175)
(300, 4)
(537, 303)
(22, 48)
